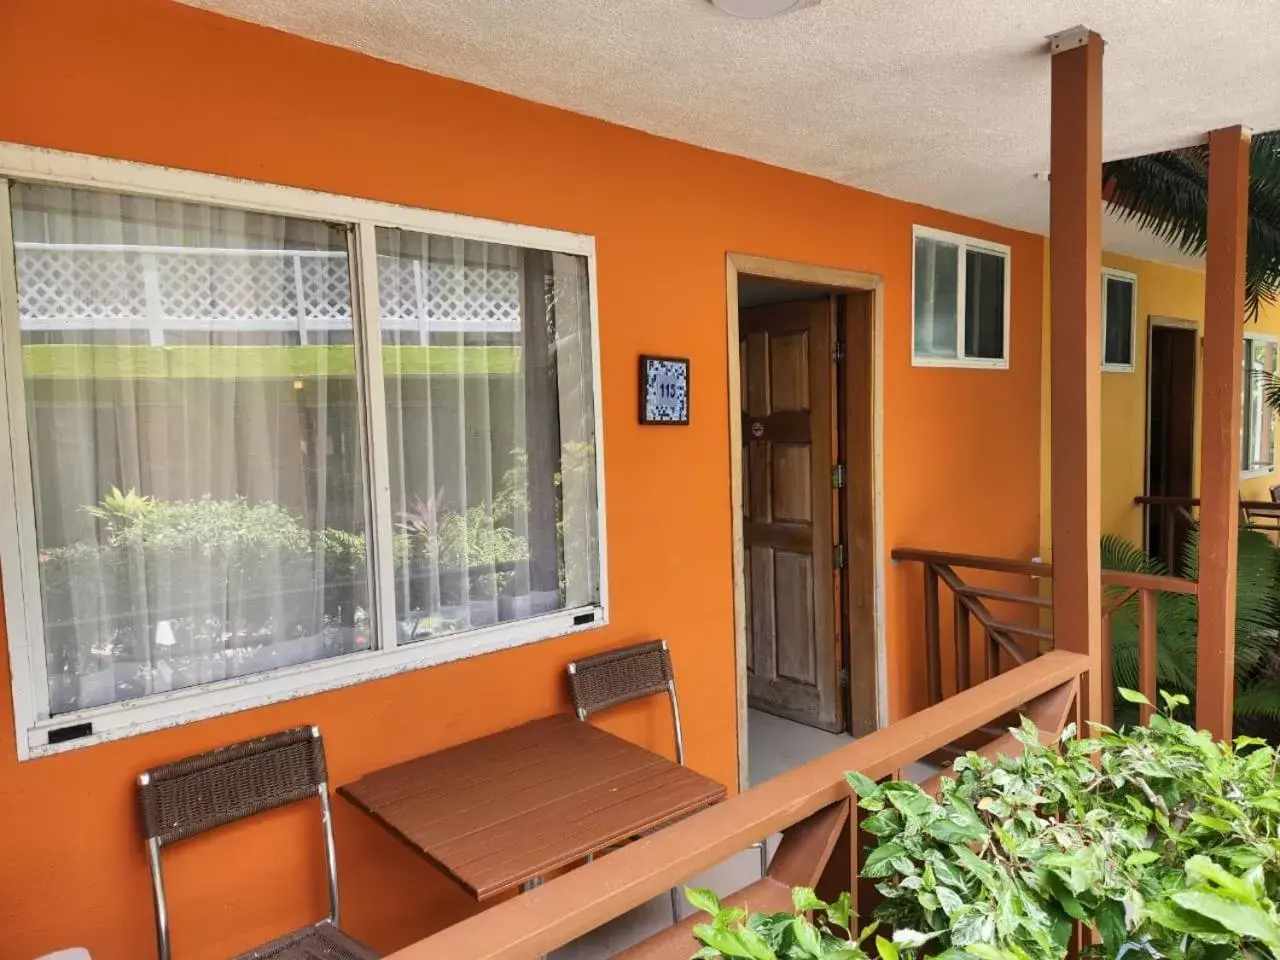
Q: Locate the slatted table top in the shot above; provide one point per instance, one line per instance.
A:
(507, 808)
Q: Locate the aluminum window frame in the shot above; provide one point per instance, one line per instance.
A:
(1108, 274)
(18, 554)
(964, 243)
(1265, 470)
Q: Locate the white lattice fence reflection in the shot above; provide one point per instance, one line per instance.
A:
(100, 287)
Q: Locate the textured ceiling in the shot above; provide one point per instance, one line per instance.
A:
(944, 102)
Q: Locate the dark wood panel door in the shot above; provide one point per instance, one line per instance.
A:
(787, 425)
(1171, 424)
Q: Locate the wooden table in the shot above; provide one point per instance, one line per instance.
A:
(509, 808)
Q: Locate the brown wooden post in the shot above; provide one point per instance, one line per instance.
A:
(1220, 427)
(1075, 277)
(932, 641)
(1147, 652)
(963, 678)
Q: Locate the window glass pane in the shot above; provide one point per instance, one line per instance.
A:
(196, 456)
(1257, 429)
(937, 283)
(1118, 321)
(984, 305)
(491, 428)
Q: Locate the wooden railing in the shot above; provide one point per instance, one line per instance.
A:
(1176, 515)
(810, 805)
(970, 603)
(1122, 588)
(1000, 634)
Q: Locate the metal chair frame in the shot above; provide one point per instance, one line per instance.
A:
(155, 843)
(639, 650)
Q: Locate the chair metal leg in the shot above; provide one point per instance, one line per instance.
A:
(764, 857)
(675, 905)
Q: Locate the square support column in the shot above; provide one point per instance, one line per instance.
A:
(1220, 427)
(1075, 278)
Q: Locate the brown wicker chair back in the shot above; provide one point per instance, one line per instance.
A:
(198, 794)
(616, 677)
(188, 797)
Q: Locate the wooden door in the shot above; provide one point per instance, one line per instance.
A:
(787, 376)
(1171, 424)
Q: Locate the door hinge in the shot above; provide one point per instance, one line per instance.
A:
(838, 556)
(838, 351)
(838, 476)
(844, 677)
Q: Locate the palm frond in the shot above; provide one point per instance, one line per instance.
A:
(1260, 700)
(1167, 194)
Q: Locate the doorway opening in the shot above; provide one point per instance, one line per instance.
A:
(802, 361)
(1171, 420)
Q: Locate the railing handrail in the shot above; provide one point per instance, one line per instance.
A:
(1157, 583)
(1195, 502)
(577, 902)
(1031, 568)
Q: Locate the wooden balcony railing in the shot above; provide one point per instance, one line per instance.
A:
(1121, 589)
(970, 603)
(1000, 633)
(810, 805)
(1174, 516)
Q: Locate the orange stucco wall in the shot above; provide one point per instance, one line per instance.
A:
(152, 81)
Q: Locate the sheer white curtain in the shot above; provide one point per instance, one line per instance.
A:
(490, 425)
(937, 268)
(198, 499)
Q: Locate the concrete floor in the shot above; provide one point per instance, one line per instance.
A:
(774, 746)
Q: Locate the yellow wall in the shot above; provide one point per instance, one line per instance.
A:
(1164, 291)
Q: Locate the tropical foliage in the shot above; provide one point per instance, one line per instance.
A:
(1168, 194)
(1257, 628)
(1160, 841)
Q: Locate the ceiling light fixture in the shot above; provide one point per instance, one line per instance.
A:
(757, 9)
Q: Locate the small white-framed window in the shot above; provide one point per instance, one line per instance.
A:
(1119, 320)
(960, 300)
(264, 442)
(1258, 417)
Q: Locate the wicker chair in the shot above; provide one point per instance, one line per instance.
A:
(615, 677)
(195, 795)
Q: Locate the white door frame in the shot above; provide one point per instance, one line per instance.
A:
(853, 281)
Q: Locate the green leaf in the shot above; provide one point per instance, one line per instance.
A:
(1132, 696)
(1111, 926)
(727, 942)
(1216, 824)
(1141, 858)
(880, 860)
(1242, 919)
(1202, 868)
(803, 900)
(807, 937)
(862, 785)
(886, 949)
(703, 899)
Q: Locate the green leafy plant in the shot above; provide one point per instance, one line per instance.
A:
(814, 930)
(1160, 840)
(118, 510)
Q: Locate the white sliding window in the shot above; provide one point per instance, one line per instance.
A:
(960, 301)
(265, 442)
(1258, 418)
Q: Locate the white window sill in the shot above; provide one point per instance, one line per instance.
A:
(159, 711)
(968, 363)
(1257, 472)
(1118, 368)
